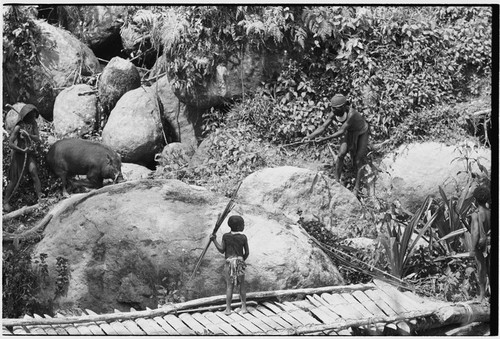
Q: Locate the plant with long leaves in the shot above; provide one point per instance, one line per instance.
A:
(400, 243)
(451, 220)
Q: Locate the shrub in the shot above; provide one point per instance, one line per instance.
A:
(22, 278)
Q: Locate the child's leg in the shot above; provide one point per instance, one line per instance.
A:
(36, 180)
(229, 297)
(229, 290)
(243, 294)
(481, 275)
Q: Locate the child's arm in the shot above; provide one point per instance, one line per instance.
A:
(220, 247)
(12, 140)
(36, 135)
(474, 230)
(246, 251)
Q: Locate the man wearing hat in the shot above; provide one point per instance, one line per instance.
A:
(355, 130)
(21, 140)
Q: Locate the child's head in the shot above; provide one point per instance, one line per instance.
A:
(236, 223)
(482, 195)
(28, 113)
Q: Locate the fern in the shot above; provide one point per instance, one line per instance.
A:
(173, 28)
(145, 18)
(129, 36)
(257, 27)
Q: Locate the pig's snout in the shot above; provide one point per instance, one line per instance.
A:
(118, 178)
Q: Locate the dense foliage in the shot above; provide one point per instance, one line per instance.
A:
(21, 45)
(22, 278)
(392, 61)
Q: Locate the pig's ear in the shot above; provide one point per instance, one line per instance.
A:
(108, 158)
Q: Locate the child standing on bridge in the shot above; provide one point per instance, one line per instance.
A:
(235, 247)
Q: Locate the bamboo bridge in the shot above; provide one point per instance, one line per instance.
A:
(376, 308)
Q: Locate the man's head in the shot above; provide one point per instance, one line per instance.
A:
(339, 105)
(482, 195)
(236, 223)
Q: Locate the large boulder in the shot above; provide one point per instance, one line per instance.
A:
(134, 127)
(64, 60)
(75, 111)
(124, 242)
(246, 73)
(174, 157)
(181, 121)
(414, 171)
(118, 77)
(132, 172)
(99, 26)
(299, 192)
(242, 74)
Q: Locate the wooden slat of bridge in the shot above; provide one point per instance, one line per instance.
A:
(267, 317)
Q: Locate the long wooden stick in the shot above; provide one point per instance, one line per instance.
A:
(219, 222)
(200, 258)
(19, 212)
(308, 141)
(12, 237)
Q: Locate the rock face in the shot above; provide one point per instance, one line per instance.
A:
(135, 172)
(134, 129)
(121, 243)
(74, 114)
(118, 77)
(98, 26)
(180, 120)
(245, 75)
(242, 74)
(290, 189)
(63, 57)
(174, 157)
(417, 170)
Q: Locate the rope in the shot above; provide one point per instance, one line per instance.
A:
(22, 172)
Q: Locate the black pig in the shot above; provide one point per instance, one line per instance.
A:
(69, 157)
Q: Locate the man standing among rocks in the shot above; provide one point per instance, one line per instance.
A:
(356, 132)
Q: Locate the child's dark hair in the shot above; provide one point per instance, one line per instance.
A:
(482, 195)
(236, 223)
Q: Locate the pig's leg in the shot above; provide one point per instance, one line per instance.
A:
(64, 178)
(95, 178)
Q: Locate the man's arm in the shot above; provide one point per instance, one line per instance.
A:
(321, 128)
